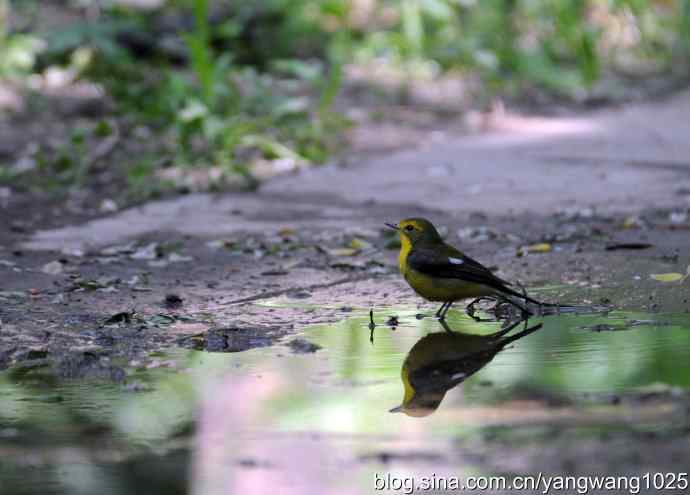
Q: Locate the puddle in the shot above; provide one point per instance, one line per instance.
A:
(208, 423)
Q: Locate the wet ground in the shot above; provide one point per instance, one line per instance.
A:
(199, 342)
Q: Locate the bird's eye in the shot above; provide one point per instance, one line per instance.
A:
(409, 228)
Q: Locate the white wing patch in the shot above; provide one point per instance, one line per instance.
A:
(455, 261)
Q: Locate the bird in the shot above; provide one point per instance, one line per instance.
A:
(440, 361)
(439, 272)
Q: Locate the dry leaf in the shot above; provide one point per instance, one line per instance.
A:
(359, 244)
(148, 252)
(343, 252)
(52, 268)
(632, 222)
(668, 277)
(543, 247)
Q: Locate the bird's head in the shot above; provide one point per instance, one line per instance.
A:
(417, 229)
(417, 403)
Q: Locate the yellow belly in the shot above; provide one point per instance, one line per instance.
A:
(439, 289)
(444, 289)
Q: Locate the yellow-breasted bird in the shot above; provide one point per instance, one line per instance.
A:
(439, 272)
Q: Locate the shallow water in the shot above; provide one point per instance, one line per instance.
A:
(266, 418)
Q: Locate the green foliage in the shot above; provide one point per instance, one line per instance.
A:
(258, 82)
(18, 52)
(560, 46)
(201, 55)
(683, 28)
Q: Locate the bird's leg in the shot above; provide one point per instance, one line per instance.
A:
(522, 308)
(445, 326)
(508, 326)
(448, 305)
(372, 326)
(440, 310)
(470, 308)
(470, 313)
(524, 293)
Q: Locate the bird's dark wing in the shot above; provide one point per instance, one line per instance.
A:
(448, 262)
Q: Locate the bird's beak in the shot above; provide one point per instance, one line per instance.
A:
(392, 226)
(398, 409)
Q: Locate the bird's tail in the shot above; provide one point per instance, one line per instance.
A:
(525, 297)
(550, 308)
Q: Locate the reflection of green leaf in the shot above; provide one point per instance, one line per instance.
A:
(668, 277)
(687, 270)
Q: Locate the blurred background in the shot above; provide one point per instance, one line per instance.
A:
(145, 97)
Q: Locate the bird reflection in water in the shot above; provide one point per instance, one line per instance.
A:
(442, 360)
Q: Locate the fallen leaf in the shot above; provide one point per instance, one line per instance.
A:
(178, 258)
(94, 284)
(148, 252)
(52, 268)
(668, 277)
(632, 222)
(120, 249)
(359, 244)
(343, 252)
(543, 247)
